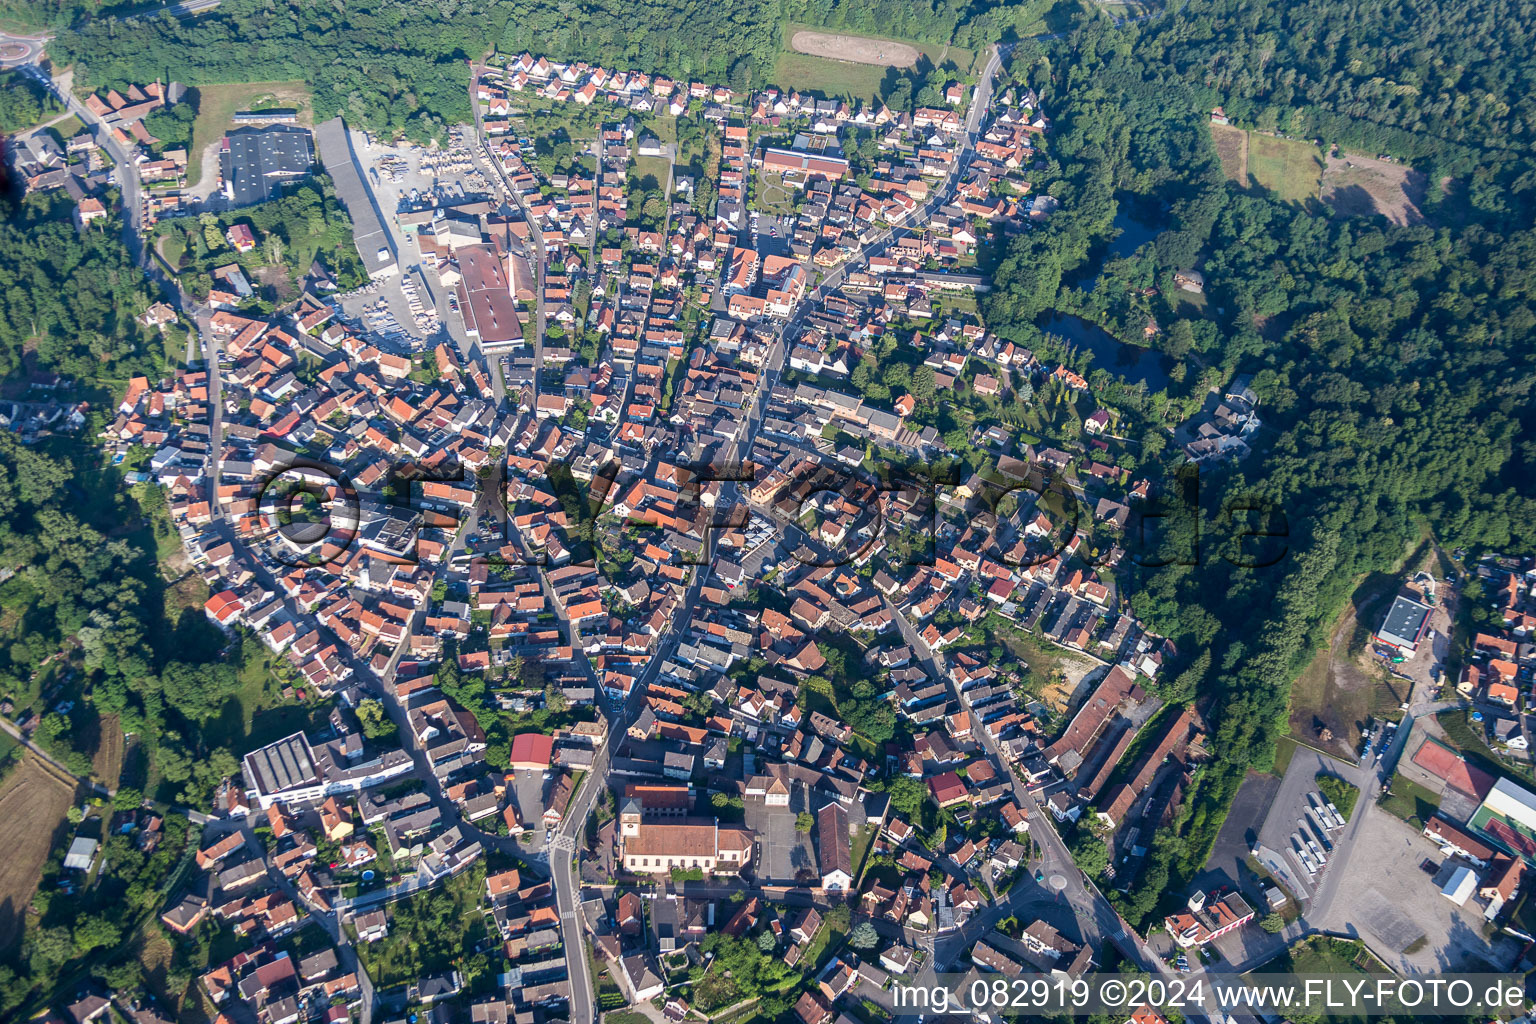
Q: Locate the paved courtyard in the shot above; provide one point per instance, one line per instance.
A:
(1392, 903)
(1239, 833)
(782, 852)
(529, 788)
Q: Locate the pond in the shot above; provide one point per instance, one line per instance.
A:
(1130, 235)
(1129, 361)
(1133, 233)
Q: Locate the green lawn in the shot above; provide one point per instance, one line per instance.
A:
(1291, 169)
(834, 78)
(665, 127)
(773, 196)
(66, 129)
(655, 168)
(1411, 801)
(1323, 955)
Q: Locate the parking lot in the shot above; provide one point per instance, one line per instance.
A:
(1228, 863)
(1290, 805)
(782, 853)
(1393, 902)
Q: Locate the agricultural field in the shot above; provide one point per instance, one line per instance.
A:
(858, 49)
(37, 793)
(107, 760)
(1232, 149)
(1288, 168)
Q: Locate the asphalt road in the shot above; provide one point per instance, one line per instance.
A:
(16, 50)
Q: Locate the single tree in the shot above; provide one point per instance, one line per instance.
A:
(863, 936)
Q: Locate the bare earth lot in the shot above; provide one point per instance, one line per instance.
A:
(1232, 149)
(33, 800)
(858, 49)
(1342, 688)
(1361, 186)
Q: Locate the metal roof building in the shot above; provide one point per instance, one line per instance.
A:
(257, 162)
(1461, 885)
(1404, 625)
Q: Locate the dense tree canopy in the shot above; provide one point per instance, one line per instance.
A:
(402, 65)
(1394, 365)
(23, 102)
(85, 330)
(1461, 72)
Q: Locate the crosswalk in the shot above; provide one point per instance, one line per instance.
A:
(563, 843)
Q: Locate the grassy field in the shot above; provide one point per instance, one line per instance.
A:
(1411, 801)
(258, 714)
(1232, 149)
(655, 168)
(849, 80)
(664, 126)
(38, 795)
(1324, 955)
(1290, 168)
(1339, 689)
(66, 129)
(107, 759)
(833, 78)
(217, 105)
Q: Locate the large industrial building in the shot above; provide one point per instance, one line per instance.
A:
(485, 298)
(257, 162)
(294, 772)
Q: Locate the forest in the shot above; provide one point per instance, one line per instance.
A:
(85, 611)
(401, 66)
(87, 330)
(23, 102)
(1444, 84)
(1394, 366)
